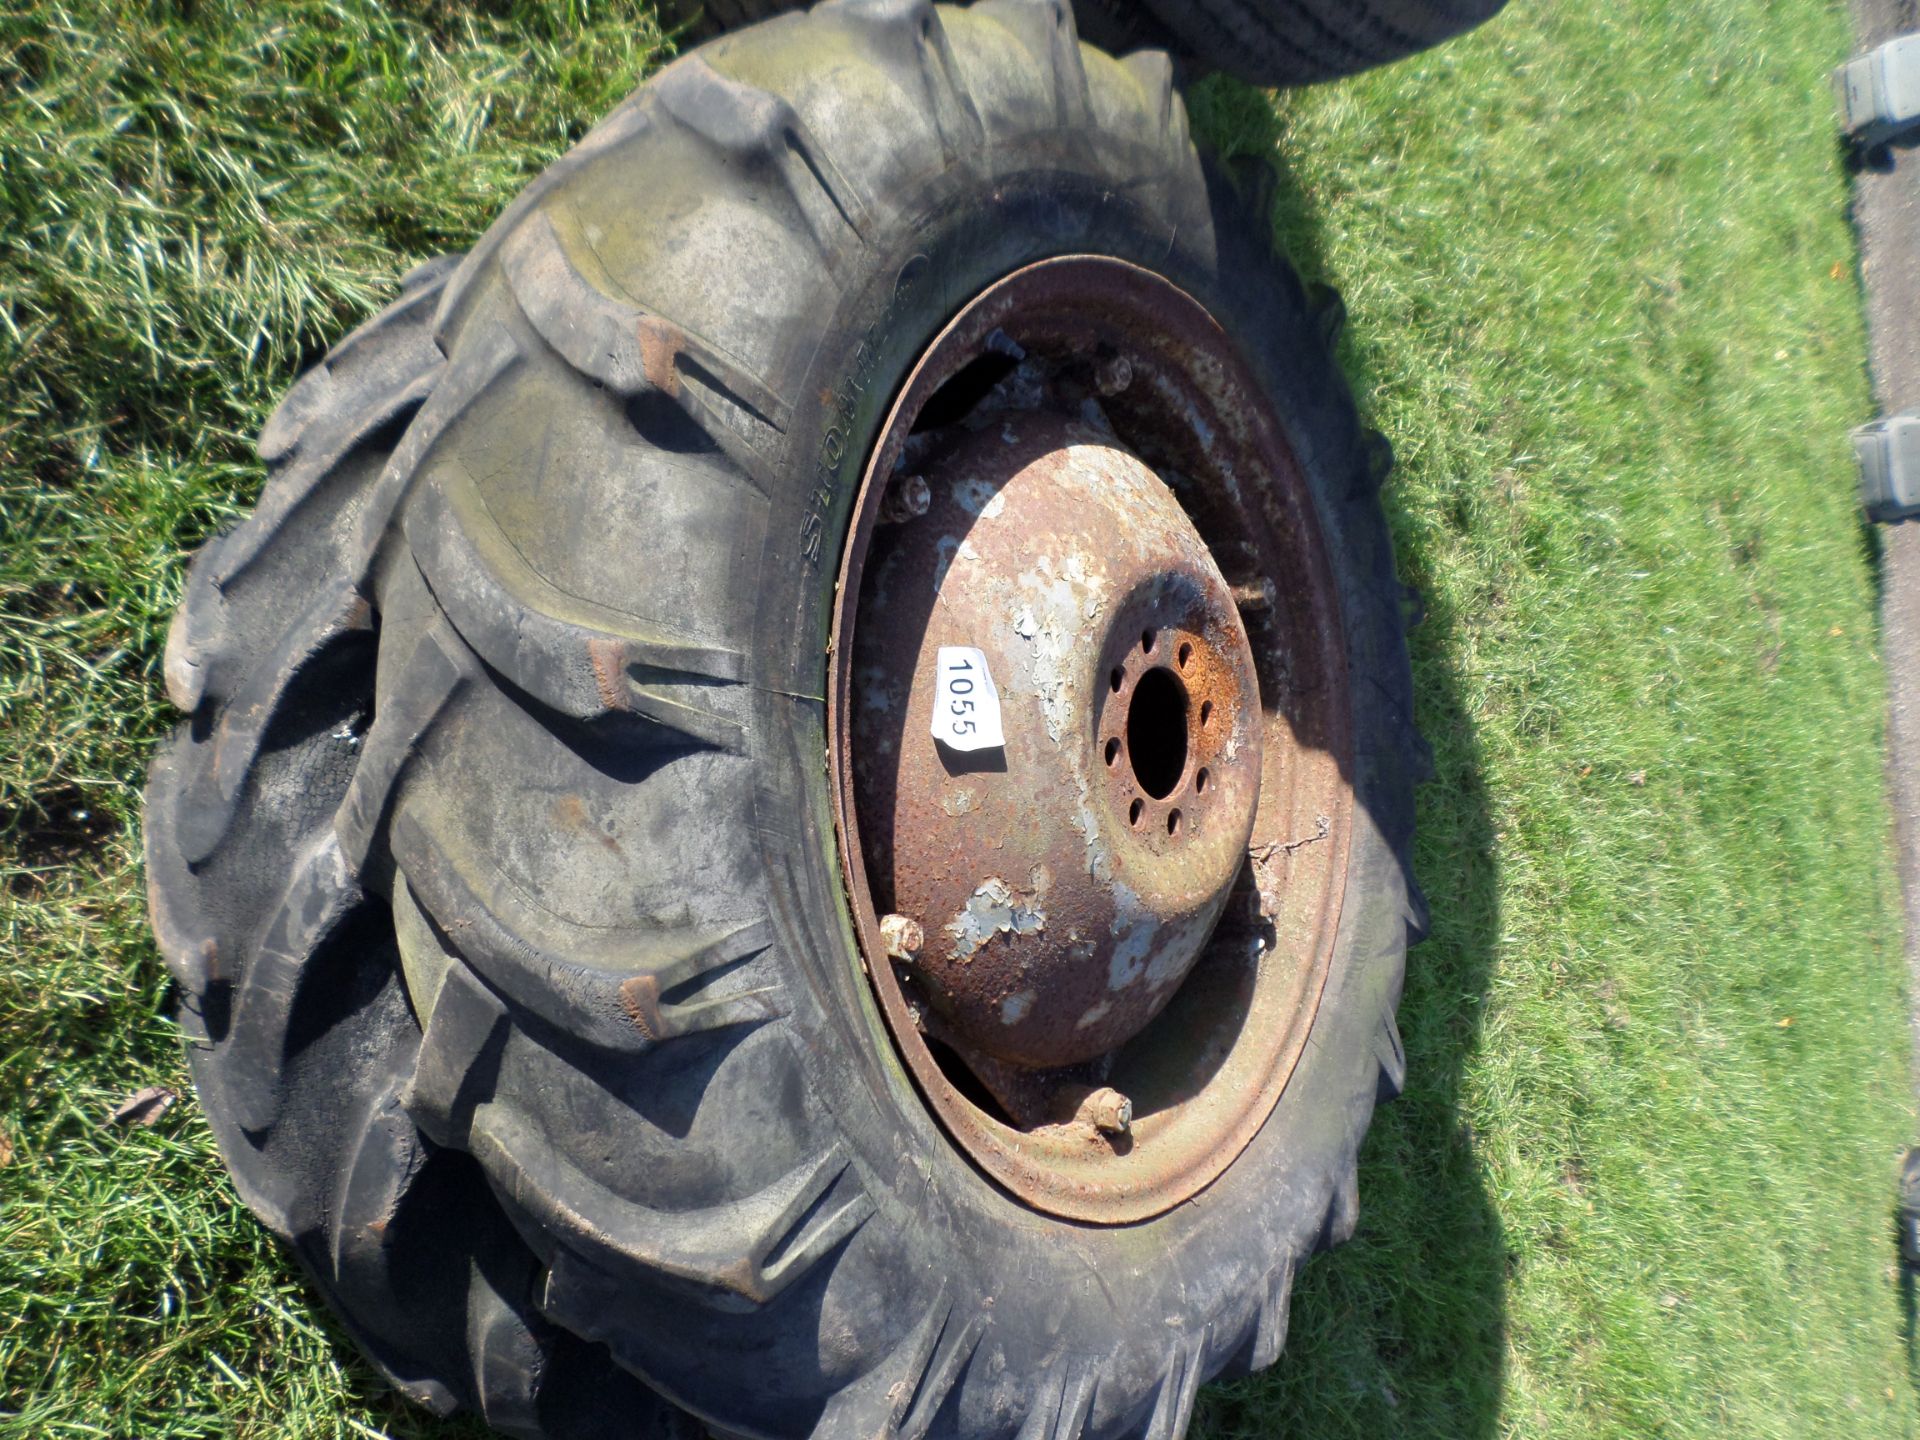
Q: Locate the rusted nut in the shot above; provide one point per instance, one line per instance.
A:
(907, 499)
(902, 934)
(1114, 375)
(1108, 1111)
(1254, 598)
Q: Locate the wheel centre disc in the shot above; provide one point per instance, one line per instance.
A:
(1064, 881)
(1090, 740)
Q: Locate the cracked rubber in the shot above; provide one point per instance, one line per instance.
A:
(495, 862)
(1266, 42)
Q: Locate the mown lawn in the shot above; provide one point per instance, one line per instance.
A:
(1603, 298)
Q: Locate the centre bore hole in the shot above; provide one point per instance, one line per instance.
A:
(1157, 731)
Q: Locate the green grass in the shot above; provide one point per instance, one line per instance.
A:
(1603, 298)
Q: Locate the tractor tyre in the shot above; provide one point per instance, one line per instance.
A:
(507, 864)
(1265, 42)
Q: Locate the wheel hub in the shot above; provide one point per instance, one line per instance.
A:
(1065, 882)
(1083, 480)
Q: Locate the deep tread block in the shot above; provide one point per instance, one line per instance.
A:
(467, 379)
(508, 1365)
(318, 899)
(1060, 1409)
(187, 943)
(594, 987)
(336, 615)
(1392, 1055)
(360, 380)
(912, 39)
(1270, 1331)
(1418, 916)
(1152, 70)
(625, 123)
(459, 1056)
(960, 1337)
(872, 1405)
(746, 1250)
(755, 128)
(371, 382)
(384, 1158)
(573, 656)
(629, 350)
(1179, 1384)
(1329, 313)
(437, 671)
(1343, 1209)
(1048, 29)
(203, 656)
(240, 552)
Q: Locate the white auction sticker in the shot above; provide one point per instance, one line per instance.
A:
(966, 707)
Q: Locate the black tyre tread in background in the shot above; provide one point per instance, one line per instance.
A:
(1267, 42)
(590, 806)
(1300, 42)
(301, 1037)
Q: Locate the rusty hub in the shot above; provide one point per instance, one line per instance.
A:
(1064, 882)
(1098, 945)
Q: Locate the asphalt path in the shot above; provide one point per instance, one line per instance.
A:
(1886, 210)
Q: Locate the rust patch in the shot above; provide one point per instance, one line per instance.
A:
(661, 342)
(640, 998)
(609, 661)
(570, 813)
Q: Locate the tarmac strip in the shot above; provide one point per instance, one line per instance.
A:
(1886, 213)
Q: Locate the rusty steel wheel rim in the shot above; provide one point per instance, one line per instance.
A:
(1119, 375)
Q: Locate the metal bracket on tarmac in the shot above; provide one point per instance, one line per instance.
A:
(1889, 454)
(1879, 91)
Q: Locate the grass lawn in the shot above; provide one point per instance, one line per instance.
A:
(1603, 298)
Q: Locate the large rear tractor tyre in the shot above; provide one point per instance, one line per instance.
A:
(1266, 42)
(511, 863)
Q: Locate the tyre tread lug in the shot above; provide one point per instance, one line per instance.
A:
(593, 988)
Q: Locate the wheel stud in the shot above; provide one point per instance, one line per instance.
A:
(902, 935)
(1254, 598)
(1108, 1111)
(907, 499)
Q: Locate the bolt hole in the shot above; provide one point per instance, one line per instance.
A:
(961, 394)
(1114, 681)
(1173, 822)
(1157, 731)
(1200, 781)
(1113, 750)
(1134, 812)
(1206, 711)
(1146, 640)
(1186, 654)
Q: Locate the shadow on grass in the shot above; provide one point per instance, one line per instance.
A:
(1403, 1330)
